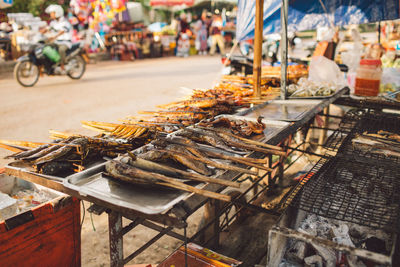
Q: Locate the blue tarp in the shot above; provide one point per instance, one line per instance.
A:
(308, 14)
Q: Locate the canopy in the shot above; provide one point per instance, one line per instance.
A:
(308, 14)
(171, 2)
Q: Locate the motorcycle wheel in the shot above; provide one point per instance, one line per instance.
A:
(78, 67)
(26, 73)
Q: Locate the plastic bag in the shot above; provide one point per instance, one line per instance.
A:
(352, 57)
(325, 70)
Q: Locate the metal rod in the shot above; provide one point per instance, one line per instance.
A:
(258, 38)
(148, 244)
(115, 239)
(158, 228)
(284, 48)
(130, 226)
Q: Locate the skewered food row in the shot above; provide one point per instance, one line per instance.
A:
(74, 152)
(69, 154)
(191, 154)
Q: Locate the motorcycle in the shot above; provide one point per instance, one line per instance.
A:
(36, 62)
(237, 64)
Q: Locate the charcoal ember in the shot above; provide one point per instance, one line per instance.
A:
(55, 167)
(315, 261)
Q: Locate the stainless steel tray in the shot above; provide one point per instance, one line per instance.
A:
(92, 182)
(283, 110)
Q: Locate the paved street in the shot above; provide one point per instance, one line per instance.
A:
(108, 91)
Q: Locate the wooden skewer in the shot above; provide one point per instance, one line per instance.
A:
(124, 171)
(13, 148)
(238, 160)
(21, 143)
(258, 149)
(211, 162)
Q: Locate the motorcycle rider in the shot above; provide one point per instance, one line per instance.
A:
(62, 31)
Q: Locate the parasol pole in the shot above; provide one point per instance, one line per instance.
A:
(258, 38)
(284, 48)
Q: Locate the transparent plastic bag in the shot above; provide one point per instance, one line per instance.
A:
(323, 69)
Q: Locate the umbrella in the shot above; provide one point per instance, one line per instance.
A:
(6, 3)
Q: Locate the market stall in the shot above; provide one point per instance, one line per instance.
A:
(213, 149)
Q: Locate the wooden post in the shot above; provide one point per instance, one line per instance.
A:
(284, 48)
(258, 38)
(115, 239)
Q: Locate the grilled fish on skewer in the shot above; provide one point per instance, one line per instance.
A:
(170, 171)
(190, 163)
(218, 165)
(61, 151)
(130, 174)
(210, 138)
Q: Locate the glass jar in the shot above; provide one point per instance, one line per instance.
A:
(368, 77)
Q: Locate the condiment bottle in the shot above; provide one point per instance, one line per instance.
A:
(368, 77)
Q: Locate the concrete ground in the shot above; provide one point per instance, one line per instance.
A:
(108, 91)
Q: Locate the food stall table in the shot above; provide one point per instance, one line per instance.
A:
(175, 217)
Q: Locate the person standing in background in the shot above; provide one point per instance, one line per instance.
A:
(216, 35)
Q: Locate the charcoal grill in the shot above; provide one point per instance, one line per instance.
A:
(354, 187)
(355, 192)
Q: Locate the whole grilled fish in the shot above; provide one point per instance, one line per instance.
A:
(206, 137)
(61, 151)
(197, 166)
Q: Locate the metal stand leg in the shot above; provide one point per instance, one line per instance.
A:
(115, 239)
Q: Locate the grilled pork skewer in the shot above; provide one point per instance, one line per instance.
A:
(130, 174)
(170, 171)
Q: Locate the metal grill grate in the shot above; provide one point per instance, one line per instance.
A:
(364, 194)
(371, 123)
(357, 185)
(346, 126)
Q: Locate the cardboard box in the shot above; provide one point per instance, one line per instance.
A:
(198, 256)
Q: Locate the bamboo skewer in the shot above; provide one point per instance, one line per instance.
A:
(210, 162)
(13, 148)
(124, 172)
(21, 143)
(238, 160)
